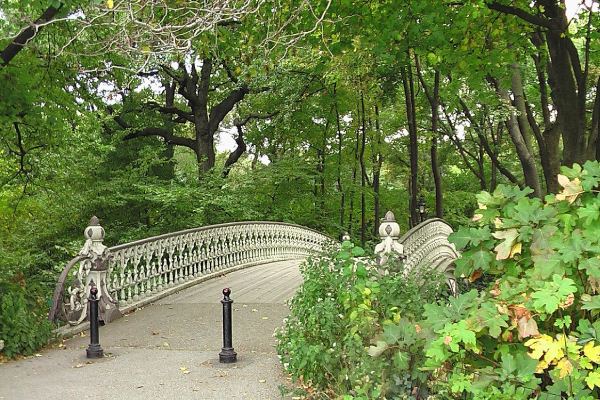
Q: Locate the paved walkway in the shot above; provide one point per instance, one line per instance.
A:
(169, 350)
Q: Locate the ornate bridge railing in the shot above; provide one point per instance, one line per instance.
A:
(424, 246)
(132, 274)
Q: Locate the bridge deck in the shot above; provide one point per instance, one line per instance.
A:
(169, 350)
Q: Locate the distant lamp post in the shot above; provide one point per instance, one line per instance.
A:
(421, 210)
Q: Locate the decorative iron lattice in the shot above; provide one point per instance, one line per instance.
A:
(424, 246)
(130, 274)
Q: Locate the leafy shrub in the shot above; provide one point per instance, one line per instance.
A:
(533, 332)
(24, 326)
(343, 306)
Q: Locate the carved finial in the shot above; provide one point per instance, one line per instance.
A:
(389, 231)
(389, 217)
(94, 231)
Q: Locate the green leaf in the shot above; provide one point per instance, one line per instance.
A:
(460, 238)
(589, 213)
(509, 365)
(526, 366)
(401, 360)
(541, 240)
(489, 317)
(482, 259)
(528, 211)
(478, 235)
(552, 294)
(591, 266)
(592, 304)
(358, 251)
(547, 265)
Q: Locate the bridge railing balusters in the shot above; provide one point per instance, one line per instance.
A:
(133, 273)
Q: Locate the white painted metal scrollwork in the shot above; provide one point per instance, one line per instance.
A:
(129, 273)
(424, 246)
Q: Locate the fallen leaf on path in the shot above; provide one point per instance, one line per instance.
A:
(254, 310)
(265, 317)
(262, 380)
(165, 344)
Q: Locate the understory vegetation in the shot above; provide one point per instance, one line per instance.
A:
(532, 331)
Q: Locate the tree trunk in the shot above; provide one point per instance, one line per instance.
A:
(205, 153)
(525, 157)
(339, 160)
(354, 172)
(377, 162)
(434, 102)
(363, 206)
(409, 97)
(549, 140)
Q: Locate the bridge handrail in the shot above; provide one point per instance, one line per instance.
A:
(208, 227)
(128, 273)
(426, 244)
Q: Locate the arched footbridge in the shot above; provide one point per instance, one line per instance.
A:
(168, 347)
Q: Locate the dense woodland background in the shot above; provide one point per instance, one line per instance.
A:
(340, 110)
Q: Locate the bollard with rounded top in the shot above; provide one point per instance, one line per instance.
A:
(94, 350)
(227, 354)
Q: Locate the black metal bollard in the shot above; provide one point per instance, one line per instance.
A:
(227, 354)
(94, 350)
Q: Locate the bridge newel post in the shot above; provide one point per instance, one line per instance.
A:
(94, 349)
(227, 354)
(389, 232)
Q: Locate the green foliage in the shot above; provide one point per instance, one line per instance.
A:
(524, 334)
(24, 326)
(351, 330)
(532, 331)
